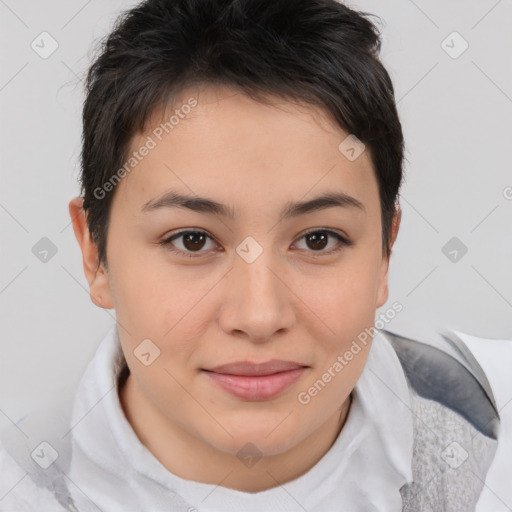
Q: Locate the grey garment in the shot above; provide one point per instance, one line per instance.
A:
(456, 426)
(450, 460)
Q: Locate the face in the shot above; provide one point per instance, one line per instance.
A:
(250, 276)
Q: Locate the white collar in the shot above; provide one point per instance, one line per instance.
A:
(367, 464)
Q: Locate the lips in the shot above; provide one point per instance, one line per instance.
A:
(257, 369)
(256, 381)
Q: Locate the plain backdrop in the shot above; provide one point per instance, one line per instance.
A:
(451, 265)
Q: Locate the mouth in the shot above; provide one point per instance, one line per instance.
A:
(256, 381)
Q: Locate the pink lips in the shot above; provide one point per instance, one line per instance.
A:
(256, 381)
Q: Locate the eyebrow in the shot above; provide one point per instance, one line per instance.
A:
(291, 209)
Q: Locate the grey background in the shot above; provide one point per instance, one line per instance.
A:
(456, 115)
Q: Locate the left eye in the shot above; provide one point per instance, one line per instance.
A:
(193, 241)
(317, 240)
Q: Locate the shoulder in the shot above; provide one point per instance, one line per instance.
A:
(19, 492)
(32, 459)
(456, 422)
(445, 371)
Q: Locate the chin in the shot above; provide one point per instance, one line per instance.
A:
(254, 442)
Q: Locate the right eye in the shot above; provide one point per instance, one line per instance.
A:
(191, 241)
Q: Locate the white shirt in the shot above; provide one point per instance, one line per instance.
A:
(363, 470)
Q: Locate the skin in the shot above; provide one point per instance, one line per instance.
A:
(292, 303)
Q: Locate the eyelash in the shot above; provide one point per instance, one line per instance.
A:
(343, 242)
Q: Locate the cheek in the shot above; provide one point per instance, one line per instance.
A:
(347, 313)
(161, 304)
(333, 381)
(345, 299)
(146, 293)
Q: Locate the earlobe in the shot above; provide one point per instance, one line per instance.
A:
(395, 225)
(383, 292)
(96, 275)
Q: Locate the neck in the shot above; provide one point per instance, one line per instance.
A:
(191, 458)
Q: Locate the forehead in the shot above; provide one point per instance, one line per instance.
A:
(215, 141)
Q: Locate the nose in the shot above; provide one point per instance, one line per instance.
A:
(258, 302)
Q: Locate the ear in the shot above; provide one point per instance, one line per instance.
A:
(96, 274)
(383, 292)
